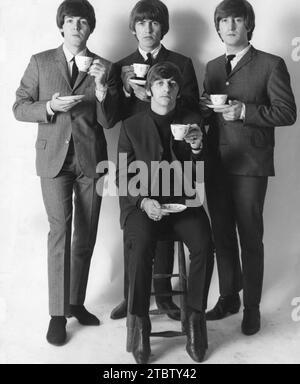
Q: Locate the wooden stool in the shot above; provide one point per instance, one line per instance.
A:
(182, 292)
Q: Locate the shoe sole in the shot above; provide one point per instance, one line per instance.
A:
(250, 332)
(231, 313)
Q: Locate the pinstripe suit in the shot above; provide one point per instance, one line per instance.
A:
(69, 146)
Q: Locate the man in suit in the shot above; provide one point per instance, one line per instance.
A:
(69, 146)
(241, 156)
(142, 216)
(149, 23)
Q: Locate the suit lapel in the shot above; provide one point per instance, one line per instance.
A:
(244, 61)
(162, 55)
(62, 64)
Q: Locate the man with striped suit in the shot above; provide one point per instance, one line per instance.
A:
(69, 146)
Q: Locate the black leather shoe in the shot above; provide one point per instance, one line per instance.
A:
(57, 334)
(120, 311)
(141, 340)
(83, 316)
(170, 306)
(196, 333)
(251, 321)
(227, 305)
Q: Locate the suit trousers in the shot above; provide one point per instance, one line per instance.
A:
(69, 264)
(163, 264)
(141, 233)
(236, 203)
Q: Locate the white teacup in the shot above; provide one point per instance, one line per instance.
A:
(179, 131)
(83, 63)
(141, 70)
(218, 99)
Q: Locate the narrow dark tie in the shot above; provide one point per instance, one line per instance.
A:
(149, 60)
(228, 64)
(74, 73)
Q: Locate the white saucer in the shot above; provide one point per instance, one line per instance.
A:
(218, 106)
(173, 208)
(71, 97)
(138, 81)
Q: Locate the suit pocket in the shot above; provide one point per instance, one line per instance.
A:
(41, 144)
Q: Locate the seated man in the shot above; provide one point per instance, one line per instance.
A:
(146, 140)
(149, 24)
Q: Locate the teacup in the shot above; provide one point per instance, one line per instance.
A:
(83, 63)
(218, 99)
(141, 70)
(179, 131)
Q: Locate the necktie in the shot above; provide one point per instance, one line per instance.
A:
(149, 60)
(74, 72)
(228, 63)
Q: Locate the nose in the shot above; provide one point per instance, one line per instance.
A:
(148, 27)
(78, 25)
(232, 24)
(166, 87)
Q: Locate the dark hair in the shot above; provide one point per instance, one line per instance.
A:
(236, 8)
(80, 8)
(163, 70)
(154, 10)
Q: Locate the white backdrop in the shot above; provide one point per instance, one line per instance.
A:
(28, 27)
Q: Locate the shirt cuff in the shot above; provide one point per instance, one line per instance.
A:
(101, 93)
(127, 94)
(243, 112)
(49, 110)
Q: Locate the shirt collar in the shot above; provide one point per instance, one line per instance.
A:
(69, 56)
(242, 53)
(154, 53)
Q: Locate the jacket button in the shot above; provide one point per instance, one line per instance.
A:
(227, 83)
(67, 142)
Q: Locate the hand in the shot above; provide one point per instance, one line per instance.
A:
(140, 92)
(153, 209)
(62, 105)
(99, 71)
(233, 112)
(127, 73)
(194, 137)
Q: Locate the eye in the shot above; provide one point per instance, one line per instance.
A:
(224, 20)
(155, 23)
(83, 21)
(239, 19)
(173, 84)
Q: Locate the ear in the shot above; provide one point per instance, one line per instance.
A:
(149, 93)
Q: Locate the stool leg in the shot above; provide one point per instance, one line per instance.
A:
(182, 283)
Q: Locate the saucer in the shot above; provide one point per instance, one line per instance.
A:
(71, 97)
(218, 106)
(138, 81)
(173, 208)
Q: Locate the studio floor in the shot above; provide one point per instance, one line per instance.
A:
(22, 341)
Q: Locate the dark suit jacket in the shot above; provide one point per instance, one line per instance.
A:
(262, 82)
(140, 141)
(46, 74)
(189, 91)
